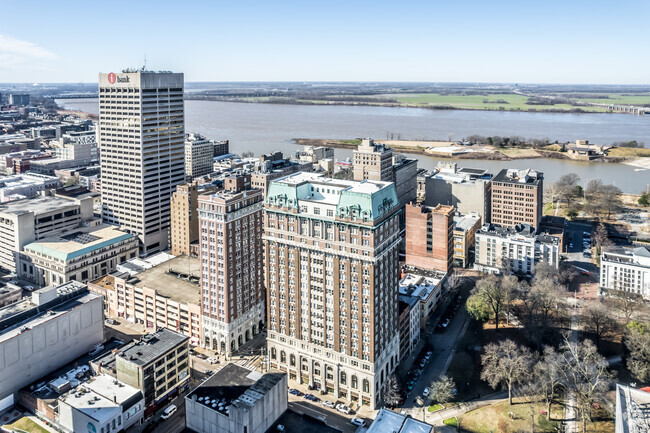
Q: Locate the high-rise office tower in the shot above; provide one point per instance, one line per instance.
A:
(373, 161)
(332, 278)
(141, 140)
(230, 249)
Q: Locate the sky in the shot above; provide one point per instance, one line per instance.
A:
(523, 41)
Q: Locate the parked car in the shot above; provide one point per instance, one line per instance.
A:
(425, 393)
(98, 348)
(29, 288)
(445, 323)
(358, 422)
(281, 428)
(343, 408)
(294, 391)
(423, 363)
(207, 373)
(328, 404)
(111, 321)
(212, 360)
(167, 413)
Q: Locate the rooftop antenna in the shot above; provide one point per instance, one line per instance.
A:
(144, 67)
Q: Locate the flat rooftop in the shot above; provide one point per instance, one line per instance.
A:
(151, 346)
(37, 205)
(364, 187)
(176, 279)
(78, 242)
(465, 222)
(526, 176)
(234, 386)
(112, 389)
(24, 316)
(420, 286)
(388, 421)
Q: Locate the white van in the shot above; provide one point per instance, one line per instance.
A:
(169, 412)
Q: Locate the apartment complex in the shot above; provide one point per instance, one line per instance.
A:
(466, 189)
(199, 154)
(31, 219)
(141, 137)
(185, 216)
(83, 255)
(517, 197)
(516, 250)
(426, 287)
(373, 161)
(465, 228)
(429, 237)
(626, 269)
(43, 333)
(230, 251)
(157, 365)
(163, 296)
(332, 267)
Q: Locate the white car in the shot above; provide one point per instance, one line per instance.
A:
(358, 422)
(425, 392)
(328, 404)
(343, 408)
(280, 428)
(212, 360)
(168, 412)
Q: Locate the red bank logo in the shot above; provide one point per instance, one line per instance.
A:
(111, 78)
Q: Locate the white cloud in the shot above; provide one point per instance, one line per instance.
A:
(18, 50)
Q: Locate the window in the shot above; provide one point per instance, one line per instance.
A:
(366, 385)
(343, 378)
(354, 382)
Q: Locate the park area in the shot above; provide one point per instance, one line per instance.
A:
(25, 424)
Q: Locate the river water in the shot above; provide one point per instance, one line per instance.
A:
(261, 128)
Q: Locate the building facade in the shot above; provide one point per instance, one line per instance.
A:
(81, 255)
(465, 228)
(230, 251)
(28, 220)
(426, 286)
(626, 269)
(514, 250)
(141, 138)
(199, 154)
(236, 399)
(185, 216)
(429, 237)
(43, 333)
(163, 296)
(332, 268)
(157, 365)
(517, 197)
(409, 325)
(373, 161)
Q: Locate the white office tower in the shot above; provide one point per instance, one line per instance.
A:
(141, 140)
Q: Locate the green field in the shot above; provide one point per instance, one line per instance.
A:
(621, 99)
(510, 102)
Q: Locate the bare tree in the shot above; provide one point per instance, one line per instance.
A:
(626, 301)
(598, 321)
(610, 198)
(505, 364)
(442, 390)
(490, 292)
(566, 187)
(452, 284)
(584, 371)
(392, 391)
(600, 238)
(547, 377)
(637, 342)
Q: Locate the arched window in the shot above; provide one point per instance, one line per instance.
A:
(292, 360)
(283, 357)
(344, 378)
(366, 385)
(274, 353)
(354, 381)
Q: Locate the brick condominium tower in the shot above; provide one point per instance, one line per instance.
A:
(141, 139)
(230, 250)
(332, 275)
(429, 237)
(517, 197)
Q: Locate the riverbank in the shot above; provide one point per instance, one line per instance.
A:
(450, 150)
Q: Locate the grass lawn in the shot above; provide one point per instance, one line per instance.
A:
(490, 418)
(451, 422)
(519, 153)
(629, 151)
(28, 425)
(435, 407)
(621, 98)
